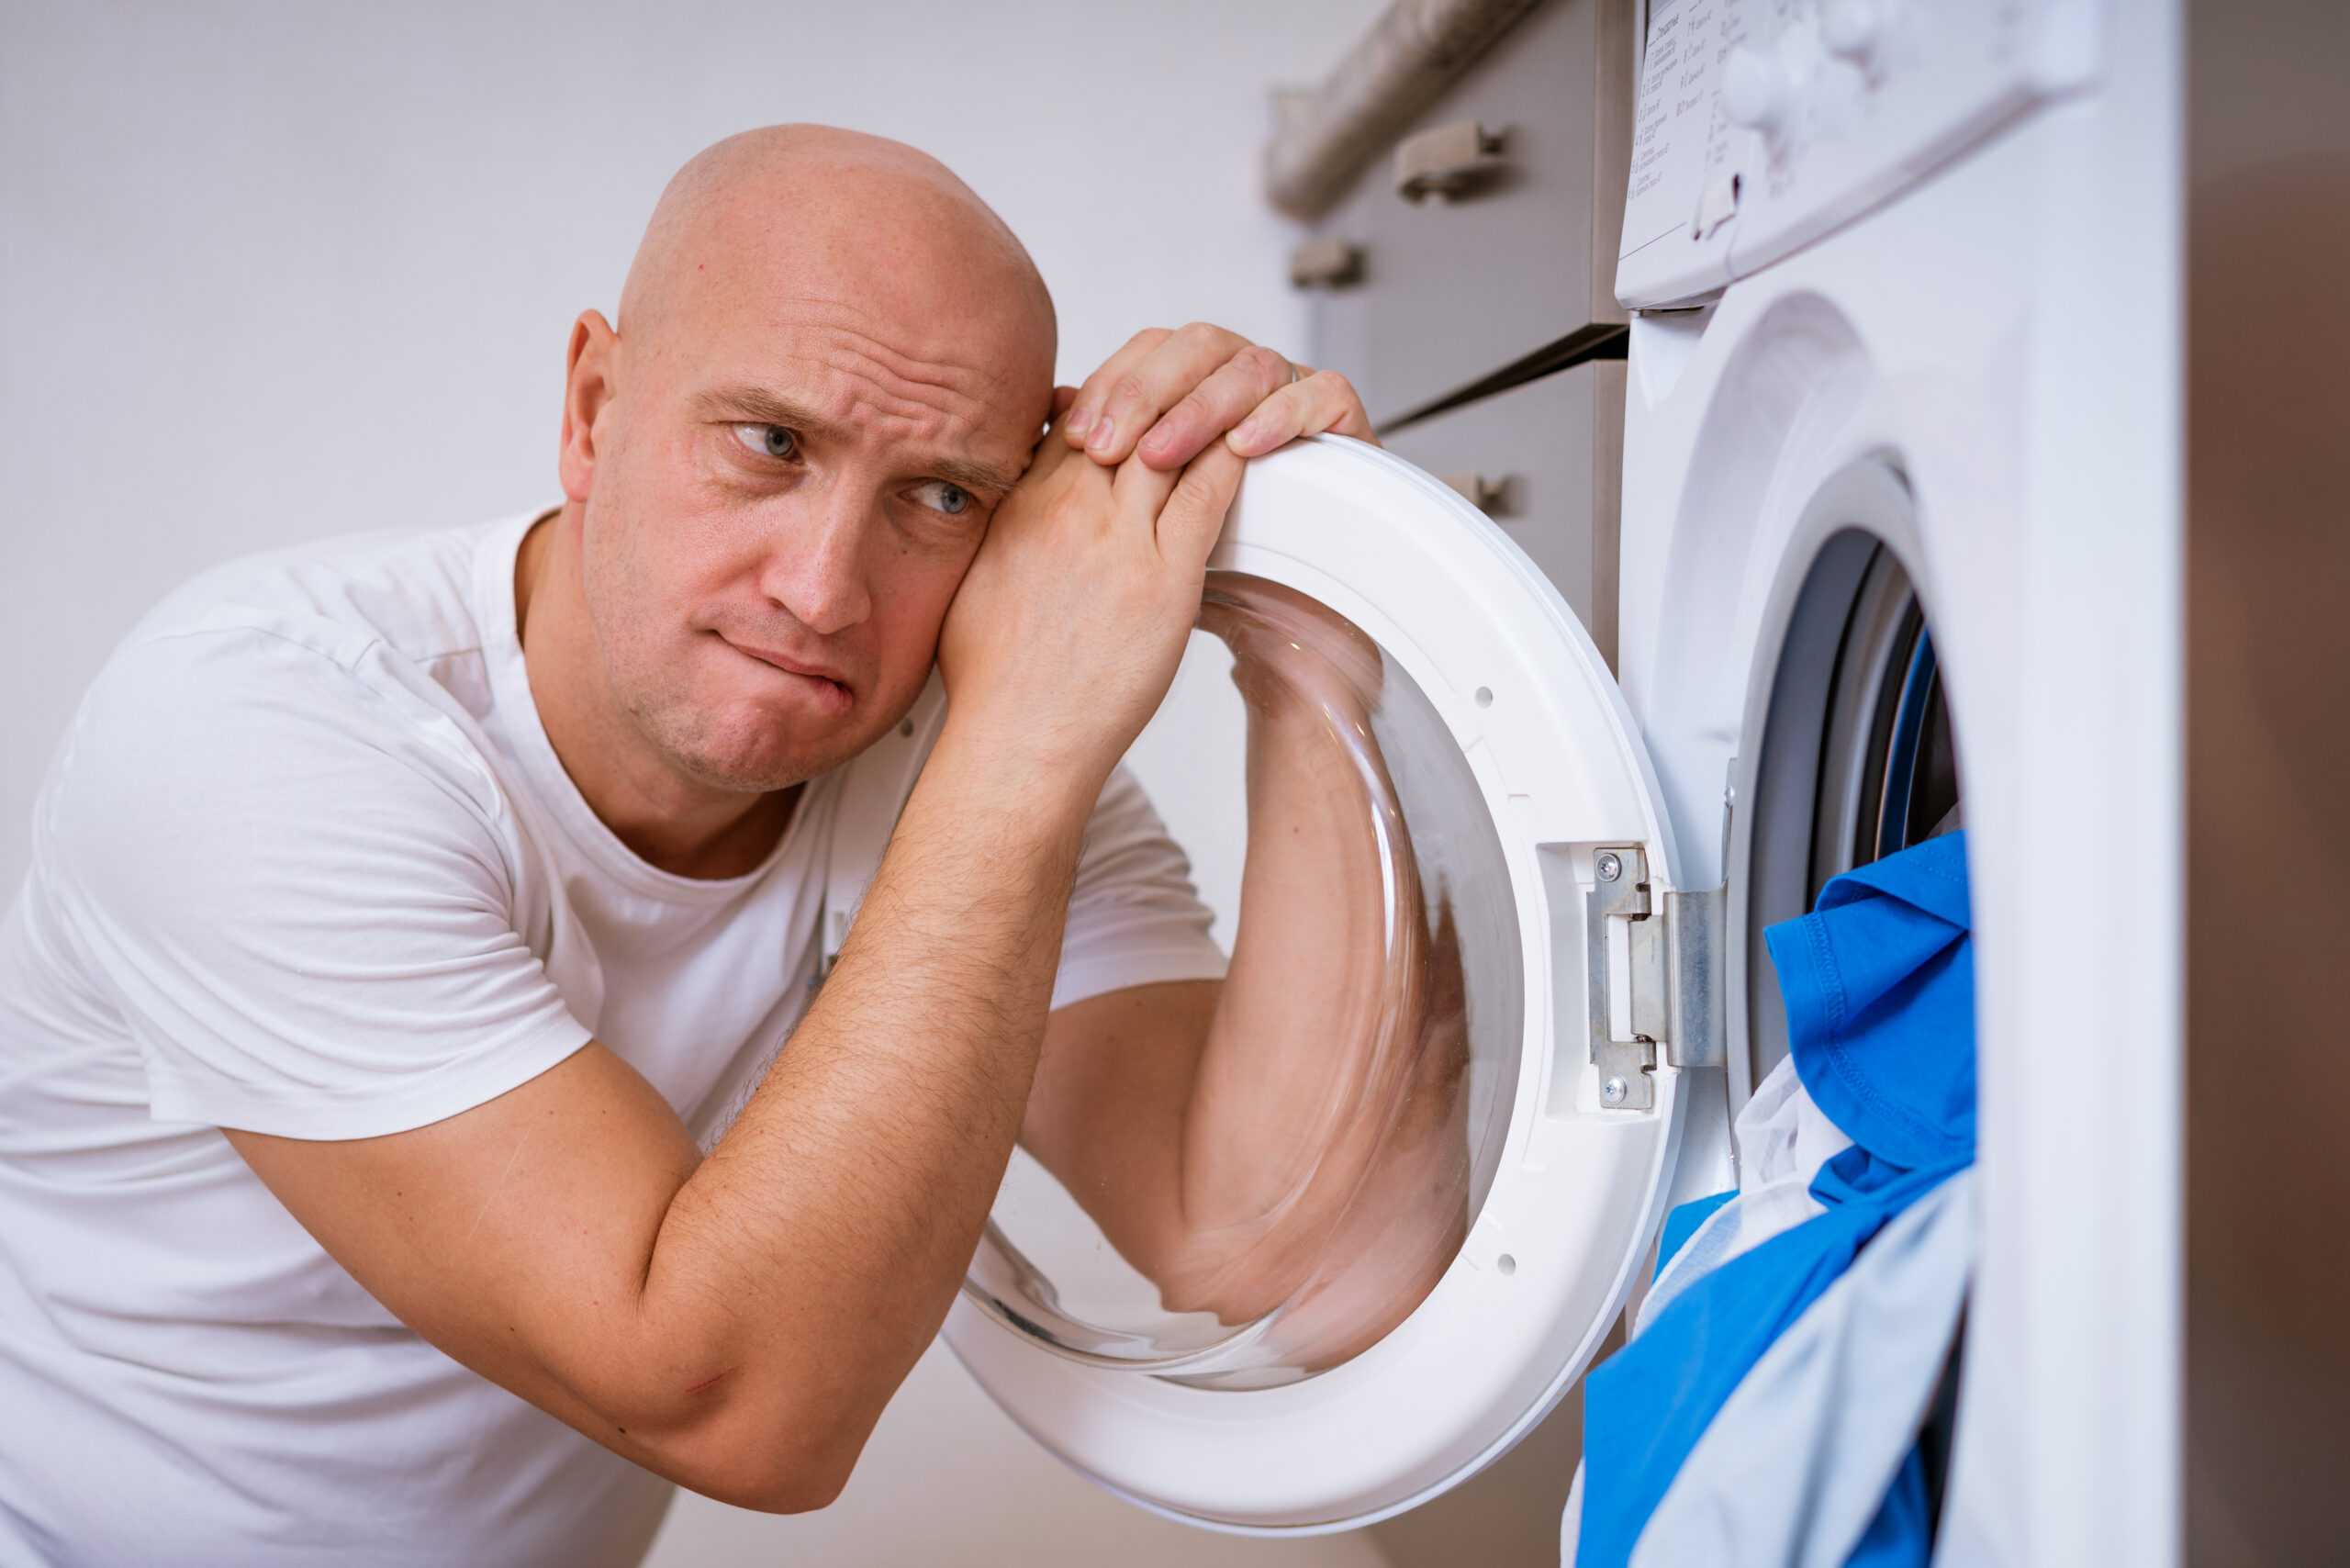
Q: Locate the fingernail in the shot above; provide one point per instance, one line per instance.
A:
(1081, 420)
(1245, 433)
(1101, 434)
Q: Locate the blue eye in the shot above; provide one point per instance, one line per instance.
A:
(940, 496)
(768, 440)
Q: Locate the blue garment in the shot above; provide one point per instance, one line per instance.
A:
(1879, 986)
(1897, 1537)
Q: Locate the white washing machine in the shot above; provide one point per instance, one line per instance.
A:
(1900, 536)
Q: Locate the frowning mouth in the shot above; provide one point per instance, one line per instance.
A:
(834, 686)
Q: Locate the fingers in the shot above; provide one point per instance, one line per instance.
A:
(1322, 402)
(1126, 396)
(1087, 410)
(1225, 398)
(1192, 518)
(1140, 492)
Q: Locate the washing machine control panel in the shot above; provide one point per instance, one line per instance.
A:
(1764, 124)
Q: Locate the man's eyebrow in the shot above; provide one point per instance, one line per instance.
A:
(982, 477)
(757, 405)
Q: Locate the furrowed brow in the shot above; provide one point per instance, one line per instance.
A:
(757, 405)
(981, 476)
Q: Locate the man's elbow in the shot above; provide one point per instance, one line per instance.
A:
(769, 1461)
(794, 1487)
(777, 1435)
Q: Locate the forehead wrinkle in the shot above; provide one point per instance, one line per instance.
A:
(897, 385)
(855, 342)
(859, 390)
(913, 395)
(906, 420)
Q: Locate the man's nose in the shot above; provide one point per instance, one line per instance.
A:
(814, 566)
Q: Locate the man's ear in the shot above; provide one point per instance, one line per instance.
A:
(591, 381)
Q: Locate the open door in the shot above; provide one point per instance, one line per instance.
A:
(1482, 1125)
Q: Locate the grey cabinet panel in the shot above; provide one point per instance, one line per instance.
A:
(1552, 451)
(1453, 288)
(1339, 319)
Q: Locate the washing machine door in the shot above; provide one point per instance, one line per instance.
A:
(1449, 1170)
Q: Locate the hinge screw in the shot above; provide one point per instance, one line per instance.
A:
(1610, 868)
(1613, 1091)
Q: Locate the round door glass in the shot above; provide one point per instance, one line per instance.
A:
(1311, 1166)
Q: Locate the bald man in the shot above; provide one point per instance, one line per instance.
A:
(396, 1162)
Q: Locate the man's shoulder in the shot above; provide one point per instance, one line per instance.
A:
(336, 654)
(417, 594)
(303, 686)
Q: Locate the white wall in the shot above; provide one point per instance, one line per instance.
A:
(269, 272)
(274, 271)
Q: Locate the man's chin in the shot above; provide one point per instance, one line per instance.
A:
(775, 756)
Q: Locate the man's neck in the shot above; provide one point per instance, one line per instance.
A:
(673, 822)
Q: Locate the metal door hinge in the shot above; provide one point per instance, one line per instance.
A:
(1653, 964)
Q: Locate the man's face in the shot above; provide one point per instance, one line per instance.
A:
(786, 493)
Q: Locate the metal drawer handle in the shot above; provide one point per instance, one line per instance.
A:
(1488, 496)
(1448, 160)
(1326, 263)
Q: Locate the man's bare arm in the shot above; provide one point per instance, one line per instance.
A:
(738, 1323)
(1224, 1139)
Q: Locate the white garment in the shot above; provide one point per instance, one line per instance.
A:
(1797, 1462)
(1783, 1141)
(306, 864)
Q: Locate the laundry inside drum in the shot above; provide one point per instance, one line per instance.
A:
(1859, 759)
(1281, 1196)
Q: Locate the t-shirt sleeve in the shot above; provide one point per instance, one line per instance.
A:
(294, 876)
(1135, 918)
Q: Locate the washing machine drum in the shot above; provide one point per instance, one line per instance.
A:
(1412, 1193)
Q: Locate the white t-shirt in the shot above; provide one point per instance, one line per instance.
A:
(306, 864)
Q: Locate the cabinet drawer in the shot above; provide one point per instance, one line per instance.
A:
(1453, 287)
(1548, 460)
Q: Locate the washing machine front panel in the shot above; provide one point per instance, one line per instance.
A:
(2006, 335)
(1763, 124)
(1508, 742)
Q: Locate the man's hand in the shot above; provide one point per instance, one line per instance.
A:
(1067, 628)
(1165, 395)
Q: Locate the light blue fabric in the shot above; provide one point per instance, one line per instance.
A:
(1682, 1223)
(1797, 1464)
(1879, 987)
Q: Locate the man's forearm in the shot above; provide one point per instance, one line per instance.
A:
(813, 1255)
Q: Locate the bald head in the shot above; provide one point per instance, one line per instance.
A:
(832, 363)
(815, 214)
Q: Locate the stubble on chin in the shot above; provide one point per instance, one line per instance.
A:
(744, 753)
